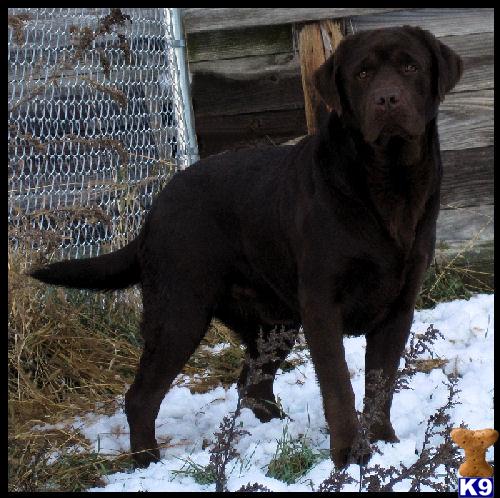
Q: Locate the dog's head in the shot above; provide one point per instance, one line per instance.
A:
(388, 82)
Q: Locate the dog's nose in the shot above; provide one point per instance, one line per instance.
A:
(387, 99)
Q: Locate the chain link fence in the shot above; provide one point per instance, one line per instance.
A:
(96, 124)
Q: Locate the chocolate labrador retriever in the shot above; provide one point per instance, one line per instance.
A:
(334, 233)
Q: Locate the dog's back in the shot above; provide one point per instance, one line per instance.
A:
(219, 195)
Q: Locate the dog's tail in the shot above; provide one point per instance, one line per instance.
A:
(116, 270)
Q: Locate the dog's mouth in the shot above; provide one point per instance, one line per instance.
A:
(393, 131)
(381, 135)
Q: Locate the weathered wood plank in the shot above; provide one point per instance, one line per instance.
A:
(466, 120)
(227, 44)
(476, 51)
(479, 74)
(208, 19)
(457, 226)
(218, 133)
(248, 68)
(255, 125)
(478, 71)
(467, 177)
(214, 95)
(441, 22)
(312, 55)
(474, 46)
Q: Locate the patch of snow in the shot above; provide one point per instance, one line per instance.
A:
(185, 420)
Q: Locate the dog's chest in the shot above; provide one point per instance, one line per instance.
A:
(367, 290)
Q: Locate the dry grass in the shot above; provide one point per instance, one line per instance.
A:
(68, 353)
(18, 23)
(206, 370)
(66, 347)
(451, 281)
(71, 352)
(454, 277)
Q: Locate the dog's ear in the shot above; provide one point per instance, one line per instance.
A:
(449, 64)
(326, 84)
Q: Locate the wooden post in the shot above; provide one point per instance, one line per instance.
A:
(317, 41)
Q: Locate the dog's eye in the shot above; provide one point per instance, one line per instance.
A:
(362, 75)
(410, 68)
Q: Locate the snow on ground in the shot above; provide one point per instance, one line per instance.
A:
(187, 421)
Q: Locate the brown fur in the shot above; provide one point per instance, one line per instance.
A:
(334, 233)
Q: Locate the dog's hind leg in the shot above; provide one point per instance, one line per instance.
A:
(259, 370)
(173, 325)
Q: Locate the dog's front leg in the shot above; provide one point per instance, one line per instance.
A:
(384, 349)
(323, 331)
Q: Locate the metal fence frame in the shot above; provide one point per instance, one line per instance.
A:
(100, 118)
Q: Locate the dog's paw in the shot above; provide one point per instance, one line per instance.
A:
(345, 456)
(383, 433)
(143, 459)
